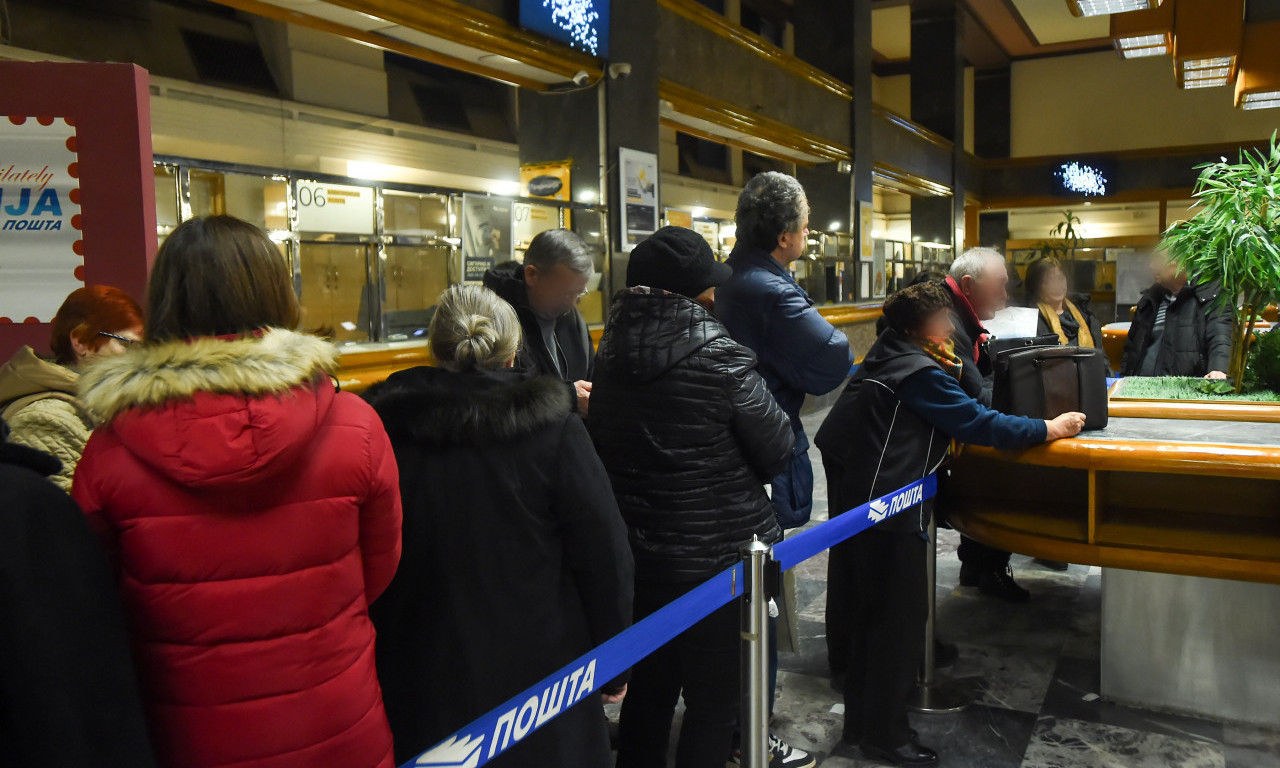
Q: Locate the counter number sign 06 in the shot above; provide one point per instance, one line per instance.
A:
(312, 196)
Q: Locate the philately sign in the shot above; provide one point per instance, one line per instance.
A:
(41, 248)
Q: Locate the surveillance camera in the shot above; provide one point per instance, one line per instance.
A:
(620, 71)
(581, 77)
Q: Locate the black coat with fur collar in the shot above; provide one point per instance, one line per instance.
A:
(515, 559)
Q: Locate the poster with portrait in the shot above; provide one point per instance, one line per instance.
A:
(865, 225)
(638, 193)
(41, 250)
(880, 258)
(486, 235)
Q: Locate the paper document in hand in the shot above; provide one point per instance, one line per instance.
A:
(1013, 323)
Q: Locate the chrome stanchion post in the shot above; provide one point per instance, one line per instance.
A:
(754, 716)
(933, 696)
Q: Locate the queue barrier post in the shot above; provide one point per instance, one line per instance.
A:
(755, 655)
(756, 578)
(933, 696)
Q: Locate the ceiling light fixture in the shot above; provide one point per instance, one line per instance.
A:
(1258, 83)
(1146, 32)
(1104, 7)
(1207, 37)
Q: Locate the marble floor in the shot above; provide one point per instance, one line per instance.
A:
(1034, 671)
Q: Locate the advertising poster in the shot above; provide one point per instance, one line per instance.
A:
(639, 194)
(550, 181)
(677, 218)
(879, 277)
(710, 232)
(486, 235)
(865, 226)
(41, 251)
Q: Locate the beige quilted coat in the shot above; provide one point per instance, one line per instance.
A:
(38, 400)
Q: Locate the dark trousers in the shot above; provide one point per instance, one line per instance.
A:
(702, 664)
(984, 557)
(886, 597)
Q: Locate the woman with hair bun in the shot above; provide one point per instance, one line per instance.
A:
(515, 556)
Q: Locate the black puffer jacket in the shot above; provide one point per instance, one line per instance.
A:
(1197, 333)
(689, 433)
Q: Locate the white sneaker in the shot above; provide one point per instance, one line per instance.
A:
(781, 755)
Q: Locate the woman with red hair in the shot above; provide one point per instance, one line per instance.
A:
(38, 397)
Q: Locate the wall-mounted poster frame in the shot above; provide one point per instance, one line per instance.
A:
(638, 193)
(880, 259)
(486, 235)
(865, 219)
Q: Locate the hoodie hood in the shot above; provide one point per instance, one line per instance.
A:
(893, 358)
(509, 284)
(26, 374)
(437, 408)
(207, 411)
(651, 331)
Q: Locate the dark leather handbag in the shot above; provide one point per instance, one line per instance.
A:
(1044, 382)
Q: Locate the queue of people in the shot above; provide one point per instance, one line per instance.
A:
(290, 575)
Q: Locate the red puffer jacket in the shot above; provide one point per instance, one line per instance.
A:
(253, 514)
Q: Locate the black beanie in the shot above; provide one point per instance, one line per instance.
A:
(678, 260)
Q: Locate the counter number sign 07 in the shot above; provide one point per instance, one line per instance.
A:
(312, 196)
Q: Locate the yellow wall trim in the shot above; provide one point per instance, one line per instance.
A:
(722, 27)
(468, 26)
(689, 102)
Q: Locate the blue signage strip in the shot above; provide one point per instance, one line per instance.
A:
(507, 725)
(803, 546)
(494, 733)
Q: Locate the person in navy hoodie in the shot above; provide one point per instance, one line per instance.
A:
(893, 425)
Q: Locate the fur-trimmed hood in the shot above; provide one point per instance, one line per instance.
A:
(155, 374)
(211, 410)
(436, 408)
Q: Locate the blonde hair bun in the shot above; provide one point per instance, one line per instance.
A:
(473, 328)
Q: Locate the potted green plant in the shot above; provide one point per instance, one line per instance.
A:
(1067, 239)
(1234, 238)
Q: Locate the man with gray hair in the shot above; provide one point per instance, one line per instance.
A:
(979, 281)
(544, 292)
(766, 310)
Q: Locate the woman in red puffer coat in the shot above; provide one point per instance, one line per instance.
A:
(252, 514)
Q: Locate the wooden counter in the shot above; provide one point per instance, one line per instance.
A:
(1194, 496)
(363, 365)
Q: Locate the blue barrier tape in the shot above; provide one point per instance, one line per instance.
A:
(494, 733)
(795, 550)
(491, 735)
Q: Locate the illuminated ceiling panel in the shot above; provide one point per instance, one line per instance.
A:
(1052, 22)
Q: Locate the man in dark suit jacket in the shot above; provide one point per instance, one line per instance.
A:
(544, 292)
(979, 282)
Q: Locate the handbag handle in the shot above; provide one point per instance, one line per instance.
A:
(1082, 353)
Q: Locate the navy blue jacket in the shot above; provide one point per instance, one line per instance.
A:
(800, 353)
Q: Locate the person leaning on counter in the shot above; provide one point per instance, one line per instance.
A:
(893, 425)
(1177, 329)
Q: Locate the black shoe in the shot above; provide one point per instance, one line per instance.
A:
(1053, 565)
(909, 754)
(944, 654)
(970, 575)
(1000, 583)
(855, 739)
